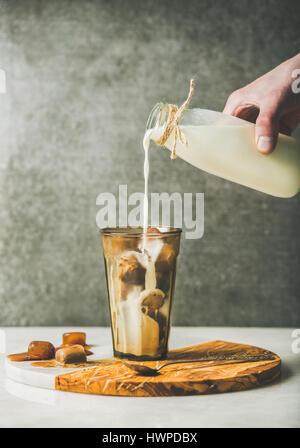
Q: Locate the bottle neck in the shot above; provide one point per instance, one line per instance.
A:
(163, 124)
(158, 116)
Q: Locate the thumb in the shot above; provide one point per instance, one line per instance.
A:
(266, 131)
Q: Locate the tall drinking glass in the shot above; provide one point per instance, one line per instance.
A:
(140, 275)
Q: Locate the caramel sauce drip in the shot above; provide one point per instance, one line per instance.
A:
(53, 363)
(19, 357)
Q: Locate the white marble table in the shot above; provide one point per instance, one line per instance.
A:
(276, 405)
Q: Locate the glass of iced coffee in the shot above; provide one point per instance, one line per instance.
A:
(140, 274)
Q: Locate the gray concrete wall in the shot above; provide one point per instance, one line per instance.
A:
(82, 77)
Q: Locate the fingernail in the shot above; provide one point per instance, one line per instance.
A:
(264, 144)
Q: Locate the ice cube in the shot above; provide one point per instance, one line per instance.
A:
(151, 246)
(71, 354)
(131, 271)
(152, 299)
(41, 350)
(74, 337)
(153, 230)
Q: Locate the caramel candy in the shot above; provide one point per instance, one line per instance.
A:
(41, 350)
(75, 337)
(71, 355)
(131, 271)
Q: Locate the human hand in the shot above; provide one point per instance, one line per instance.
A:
(271, 102)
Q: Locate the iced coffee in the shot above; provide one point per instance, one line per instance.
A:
(140, 273)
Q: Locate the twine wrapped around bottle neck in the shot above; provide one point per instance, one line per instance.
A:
(175, 113)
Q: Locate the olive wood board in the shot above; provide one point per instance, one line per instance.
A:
(114, 378)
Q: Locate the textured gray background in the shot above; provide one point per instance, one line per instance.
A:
(81, 79)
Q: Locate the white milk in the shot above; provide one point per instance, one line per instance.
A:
(136, 332)
(146, 144)
(226, 148)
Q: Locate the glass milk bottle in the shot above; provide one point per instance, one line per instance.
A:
(225, 146)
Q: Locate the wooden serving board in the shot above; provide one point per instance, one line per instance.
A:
(114, 378)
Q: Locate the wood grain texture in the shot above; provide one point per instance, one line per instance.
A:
(114, 378)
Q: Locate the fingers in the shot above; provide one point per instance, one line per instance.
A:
(247, 112)
(238, 106)
(266, 131)
(233, 101)
(265, 115)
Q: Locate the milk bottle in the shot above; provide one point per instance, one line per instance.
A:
(225, 146)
